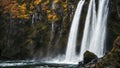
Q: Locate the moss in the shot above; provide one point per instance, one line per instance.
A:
(88, 57)
(112, 58)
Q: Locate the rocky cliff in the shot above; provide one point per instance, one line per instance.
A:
(30, 33)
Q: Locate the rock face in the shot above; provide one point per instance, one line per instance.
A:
(113, 25)
(112, 59)
(19, 39)
(89, 56)
(36, 37)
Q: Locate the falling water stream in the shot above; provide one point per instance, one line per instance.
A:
(98, 38)
(86, 34)
(95, 29)
(71, 45)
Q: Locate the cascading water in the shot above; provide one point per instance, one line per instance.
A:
(53, 5)
(86, 34)
(33, 17)
(98, 40)
(52, 24)
(95, 29)
(52, 32)
(94, 17)
(71, 46)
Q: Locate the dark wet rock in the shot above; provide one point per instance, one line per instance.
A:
(88, 57)
(80, 64)
(110, 60)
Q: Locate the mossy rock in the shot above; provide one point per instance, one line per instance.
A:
(88, 57)
(112, 59)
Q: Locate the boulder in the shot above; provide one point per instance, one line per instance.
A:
(88, 57)
(110, 60)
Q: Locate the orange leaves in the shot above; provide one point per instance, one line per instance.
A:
(31, 6)
(44, 7)
(64, 6)
(56, 1)
(15, 9)
(36, 2)
(4, 2)
(23, 16)
(22, 8)
(52, 16)
(46, 2)
(48, 11)
(20, 11)
(7, 5)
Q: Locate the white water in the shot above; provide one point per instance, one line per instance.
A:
(86, 34)
(98, 39)
(95, 29)
(71, 46)
(52, 24)
(33, 17)
(53, 7)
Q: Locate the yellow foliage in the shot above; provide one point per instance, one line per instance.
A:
(30, 12)
(65, 9)
(44, 7)
(23, 16)
(48, 11)
(52, 16)
(23, 6)
(21, 10)
(46, 3)
(36, 2)
(56, 1)
(65, 5)
(17, 10)
(31, 6)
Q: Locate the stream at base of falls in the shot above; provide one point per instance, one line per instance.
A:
(34, 64)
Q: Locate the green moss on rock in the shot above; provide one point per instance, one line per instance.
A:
(89, 56)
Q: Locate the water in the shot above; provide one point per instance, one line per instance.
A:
(33, 17)
(52, 32)
(98, 40)
(34, 64)
(86, 34)
(95, 29)
(71, 46)
(52, 29)
(53, 5)
(52, 24)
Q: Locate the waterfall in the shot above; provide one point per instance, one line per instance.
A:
(95, 29)
(53, 7)
(86, 34)
(52, 24)
(33, 17)
(98, 38)
(71, 45)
